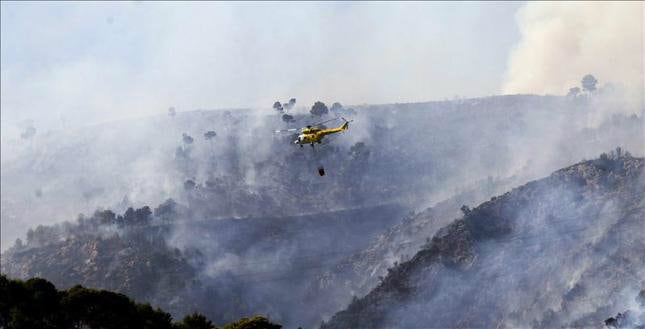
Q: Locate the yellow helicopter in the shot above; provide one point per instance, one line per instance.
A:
(314, 133)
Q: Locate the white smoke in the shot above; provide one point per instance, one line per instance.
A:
(560, 43)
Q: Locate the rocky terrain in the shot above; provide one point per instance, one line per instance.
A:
(563, 251)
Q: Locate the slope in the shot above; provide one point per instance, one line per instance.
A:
(563, 251)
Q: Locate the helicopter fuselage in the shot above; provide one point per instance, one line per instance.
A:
(311, 135)
(308, 138)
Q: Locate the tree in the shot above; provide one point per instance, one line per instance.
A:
(89, 308)
(287, 118)
(319, 109)
(28, 133)
(209, 135)
(154, 318)
(189, 184)
(574, 92)
(278, 106)
(640, 299)
(105, 217)
(256, 322)
(336, 107)
(195, 321)
(290, 105)
(182, 153)
(128, 216)
(589, 83)
(30, 236)
(41, 303)
(359, 151)
(36, 303)
(349, 111)
(42, 235)
(139, 216)
(187, 139)
(143, 215)
(167, 210)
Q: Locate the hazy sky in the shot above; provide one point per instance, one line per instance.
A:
(88, 62)
(66, 64)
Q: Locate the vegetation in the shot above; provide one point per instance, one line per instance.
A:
(575, 195)
(397, 156)
(256, 322)
(319, 109)
(105, 222)
(287, 118)
(588, 84)
(195, 321)
(36, 303)
(336, 107)
(574, 92)
(210, 135)
(290, 105)
(187, 139)
(278, 106)
(28, 133)
(612, 160)
(283, 107)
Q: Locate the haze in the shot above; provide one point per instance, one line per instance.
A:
(491, 175)
(67, 64)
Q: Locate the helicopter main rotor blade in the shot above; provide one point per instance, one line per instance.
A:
(319, 123)
(286, 130)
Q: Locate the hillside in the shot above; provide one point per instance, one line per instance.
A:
(249, 218)
(226, 268)
(414, 154)
(563, 251)
(358, 273)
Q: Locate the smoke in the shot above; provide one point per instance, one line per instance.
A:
(560, 43)
(108, 62)
(411, 154)
(571, 258)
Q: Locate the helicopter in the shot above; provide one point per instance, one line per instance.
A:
(314, 133)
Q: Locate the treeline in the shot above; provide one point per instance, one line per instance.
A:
(36, 303)
(103, 222)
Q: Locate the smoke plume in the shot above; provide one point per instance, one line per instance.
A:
(561, 43)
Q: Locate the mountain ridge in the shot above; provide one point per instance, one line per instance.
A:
(457, 248)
